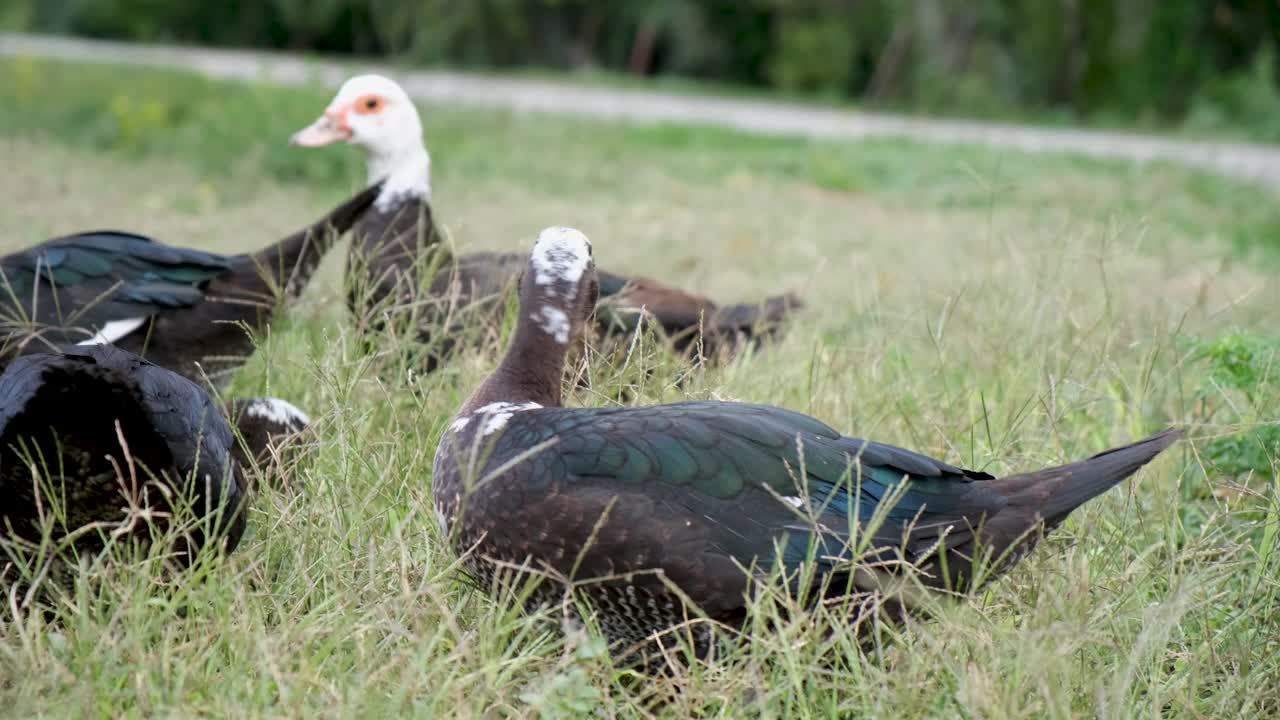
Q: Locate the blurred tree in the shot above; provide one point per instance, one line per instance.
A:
(813, 47)
(1146, 60)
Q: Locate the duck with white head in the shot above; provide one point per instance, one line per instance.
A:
(375, 114)
(393, 246)
(641, 510)
(398, 241)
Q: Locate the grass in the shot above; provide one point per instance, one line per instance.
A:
(997, 310)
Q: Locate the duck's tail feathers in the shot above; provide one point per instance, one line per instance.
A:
(753, 319)
(1053, 493)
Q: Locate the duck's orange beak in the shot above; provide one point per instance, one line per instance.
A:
(330, 128)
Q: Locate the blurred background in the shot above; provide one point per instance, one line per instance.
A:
(1206, 66)
(997, 308)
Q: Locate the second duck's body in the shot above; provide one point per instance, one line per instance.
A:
(399, 249)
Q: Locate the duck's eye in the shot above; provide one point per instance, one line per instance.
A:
(368, 104)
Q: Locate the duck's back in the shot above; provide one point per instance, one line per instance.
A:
(401, 267)
(102, 424)
(698, 490)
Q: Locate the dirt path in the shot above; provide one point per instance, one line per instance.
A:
(1255, 162)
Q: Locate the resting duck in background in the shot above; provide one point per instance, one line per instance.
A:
(183, 309)
(268, 429)
(389, 254)
(692, 493)
(124, 435)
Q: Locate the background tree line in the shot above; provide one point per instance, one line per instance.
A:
(1206, 63)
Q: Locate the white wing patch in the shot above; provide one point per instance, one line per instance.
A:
(793, 501)
(498, 413)
(277, 411)
(554, 322)
(114, 330)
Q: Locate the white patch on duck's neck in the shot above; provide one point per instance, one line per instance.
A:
(560, 255)
(407, 173)
(277, 411)
(496, 415)
(553, 322)
(113, 331)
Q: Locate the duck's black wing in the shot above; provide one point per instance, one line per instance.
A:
(100, 282)
(702, 489)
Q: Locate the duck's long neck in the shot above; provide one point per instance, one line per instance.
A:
(403, 222)
(290, 263)
(531, 371)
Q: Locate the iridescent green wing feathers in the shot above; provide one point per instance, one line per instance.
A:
(105, 276)
(742, 465)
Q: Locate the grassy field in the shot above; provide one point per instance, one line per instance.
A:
(997, 310)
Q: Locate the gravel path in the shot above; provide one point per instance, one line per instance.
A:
(1254, 162)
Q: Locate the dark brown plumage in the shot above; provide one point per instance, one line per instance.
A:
(185, 310)
(401, 268)
(714, 497)
(267, 429)
(100, 437)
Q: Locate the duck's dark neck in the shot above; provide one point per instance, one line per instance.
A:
(396, 235)
(290, 263)
(400, 232)
(532, 371)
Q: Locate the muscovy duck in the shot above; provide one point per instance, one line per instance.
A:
(267, 427)
(398, 247)
(710, 496)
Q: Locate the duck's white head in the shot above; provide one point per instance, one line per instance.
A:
(559, 288)
(374, 113)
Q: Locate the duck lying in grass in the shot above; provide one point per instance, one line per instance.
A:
(99, 444)
(183, 309)
(268, 429)
(629, 503)
(398, 247)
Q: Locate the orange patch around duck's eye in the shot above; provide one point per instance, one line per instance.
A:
(368, 104)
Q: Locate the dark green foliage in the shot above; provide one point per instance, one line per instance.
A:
(1253, 451)
(1246, 98)
(1241, 391)
(1149, 61)
(1241, 361)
